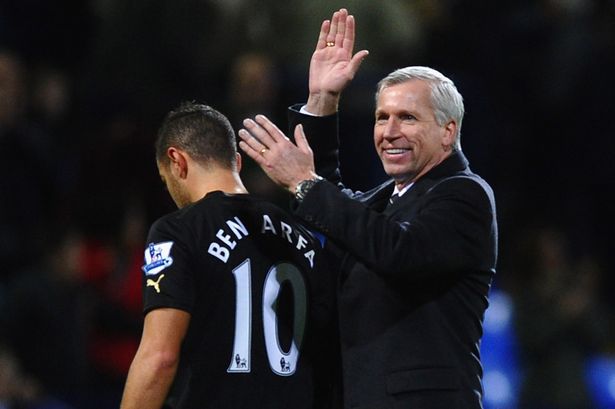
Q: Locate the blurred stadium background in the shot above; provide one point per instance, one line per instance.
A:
(84, 85)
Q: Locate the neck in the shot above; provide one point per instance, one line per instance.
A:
(400, 184)
(210, 180)
(405, 182)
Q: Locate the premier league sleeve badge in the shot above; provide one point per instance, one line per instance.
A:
(157, 257)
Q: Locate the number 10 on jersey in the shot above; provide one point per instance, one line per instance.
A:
(283, 363)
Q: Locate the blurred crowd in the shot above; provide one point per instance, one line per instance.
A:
(85, 84)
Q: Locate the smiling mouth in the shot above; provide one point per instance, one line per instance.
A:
(396, 151)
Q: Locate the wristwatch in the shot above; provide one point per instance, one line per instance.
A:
(304, 186)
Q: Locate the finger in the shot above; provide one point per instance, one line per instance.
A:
(356, 61)
(272, 130)
(348, 39)
(259, 133)
(341, 27)
(301, 139)
(251, 141)
(322, 37)
(333, 29)
(251, 152)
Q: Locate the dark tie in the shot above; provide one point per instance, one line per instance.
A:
(394, 198)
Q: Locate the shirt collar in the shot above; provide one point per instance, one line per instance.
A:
(397, 191)
(454, 163)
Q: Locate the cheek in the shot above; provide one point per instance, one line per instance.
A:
(377, 137)
(432, 142)
(173, 191)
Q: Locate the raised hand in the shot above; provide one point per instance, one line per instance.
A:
(284, 162)
(333, 65)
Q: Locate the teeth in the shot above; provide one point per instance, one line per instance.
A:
(395, 151)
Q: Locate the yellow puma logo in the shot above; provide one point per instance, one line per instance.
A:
(155, 284)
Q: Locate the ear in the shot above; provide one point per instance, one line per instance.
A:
(450, 130)
(178, 162)
(238, 162)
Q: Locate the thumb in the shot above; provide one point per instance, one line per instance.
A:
(356, 61)
(301, 139)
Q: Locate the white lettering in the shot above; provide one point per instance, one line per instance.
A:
(218, 251)
(310, 256)
(237, 228)
(301, 242)
(226, 239)
(268, 225)
(226, 243)
(286, 231)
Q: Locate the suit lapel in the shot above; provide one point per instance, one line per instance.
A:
(378, 198)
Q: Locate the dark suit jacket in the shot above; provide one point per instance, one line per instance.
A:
(415, 278)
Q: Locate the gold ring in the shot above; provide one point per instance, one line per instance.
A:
(264, 150)
(330, 43)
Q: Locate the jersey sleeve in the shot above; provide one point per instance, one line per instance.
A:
(168, 279)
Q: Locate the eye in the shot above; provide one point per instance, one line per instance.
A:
(408, 117)
(381, 118)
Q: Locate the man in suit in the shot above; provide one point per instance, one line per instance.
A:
(417, 253)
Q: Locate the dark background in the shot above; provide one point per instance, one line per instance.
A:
(85, 84)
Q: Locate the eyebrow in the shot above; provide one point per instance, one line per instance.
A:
(397, 112)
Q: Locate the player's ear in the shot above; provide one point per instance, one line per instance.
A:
(238, 162)
(178, 162)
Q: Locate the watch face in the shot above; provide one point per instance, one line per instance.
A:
(303, 187)
(306, 185)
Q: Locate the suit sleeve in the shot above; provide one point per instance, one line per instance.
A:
(450, 234)
(322, 135)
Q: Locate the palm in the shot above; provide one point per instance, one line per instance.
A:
(330, 70)
(333, 65)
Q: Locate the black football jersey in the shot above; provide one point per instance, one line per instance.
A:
(261, 300)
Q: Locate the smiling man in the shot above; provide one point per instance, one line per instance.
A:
(410, 136)
(416, 271)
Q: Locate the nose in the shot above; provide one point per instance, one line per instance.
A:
(391, 128)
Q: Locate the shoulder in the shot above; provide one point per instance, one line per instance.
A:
(466, 186)
(167, 225)
(212, 206)
(385, 188)
(183, 224)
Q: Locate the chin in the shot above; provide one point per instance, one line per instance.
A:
(396, 174)
(401, 178)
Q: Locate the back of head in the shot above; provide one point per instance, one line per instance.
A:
(446, 100)
(201, 131)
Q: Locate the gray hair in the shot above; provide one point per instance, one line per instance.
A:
(446, 100)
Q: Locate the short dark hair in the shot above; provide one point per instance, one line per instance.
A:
(203, 132)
